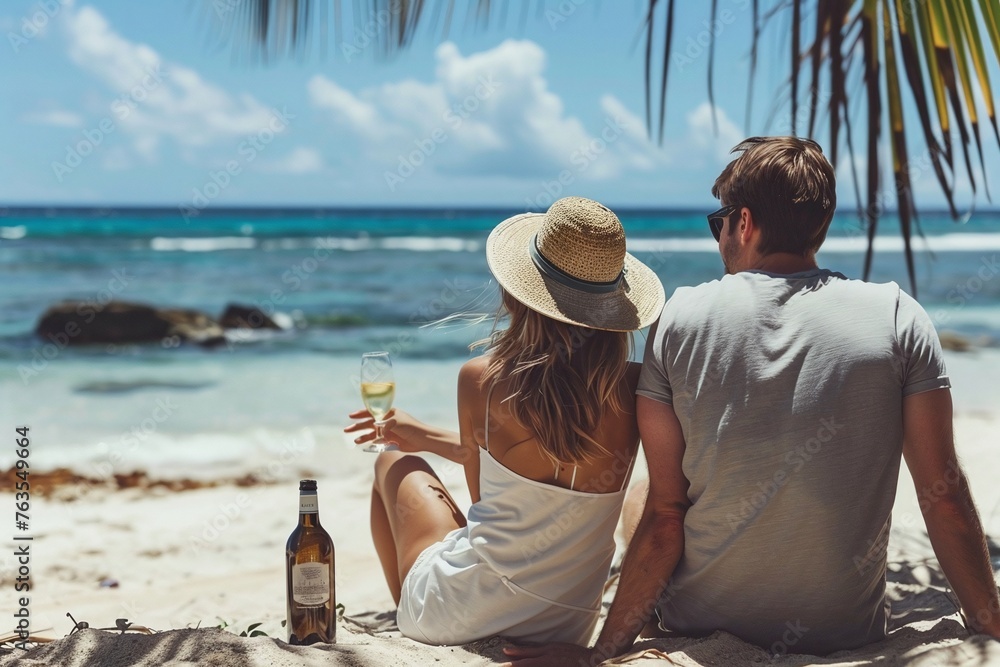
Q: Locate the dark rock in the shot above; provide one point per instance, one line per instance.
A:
(951, 340)
(246, 317)
(85, 323)
(194, 326)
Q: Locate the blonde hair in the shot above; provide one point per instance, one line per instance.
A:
(561, 378)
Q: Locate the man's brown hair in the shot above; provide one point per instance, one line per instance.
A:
(789, 187)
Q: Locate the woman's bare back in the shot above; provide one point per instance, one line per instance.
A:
(519, 450)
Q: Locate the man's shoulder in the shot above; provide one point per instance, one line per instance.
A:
(746, 292)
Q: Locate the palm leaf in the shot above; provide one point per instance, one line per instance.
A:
(711, 66)
(900, 160)
(906, 27)
(991, 13)
(947, 68)
(796, 60)
(957, 38)
(971, 29)
(649, 62)
(838, 90)
(667, 43)
(869, 32)
(930, 44)
(753, 61)
(816, 53)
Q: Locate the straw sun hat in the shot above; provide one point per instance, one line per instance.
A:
(570, 264)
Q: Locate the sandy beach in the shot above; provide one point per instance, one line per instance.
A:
(174, 556)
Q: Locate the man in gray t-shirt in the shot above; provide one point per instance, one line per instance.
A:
(774, 407)
(789, 391)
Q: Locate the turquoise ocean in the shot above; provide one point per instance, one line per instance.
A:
(342, 282)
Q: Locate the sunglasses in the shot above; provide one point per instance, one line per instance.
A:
(717, 219)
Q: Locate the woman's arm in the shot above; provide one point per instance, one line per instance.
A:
(469, 393)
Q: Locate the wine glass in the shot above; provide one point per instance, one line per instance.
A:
(378, 388)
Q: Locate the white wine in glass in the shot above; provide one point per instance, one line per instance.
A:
(378, 389)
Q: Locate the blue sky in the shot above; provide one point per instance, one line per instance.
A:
(118, 102)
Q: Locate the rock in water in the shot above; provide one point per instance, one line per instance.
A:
(194, 326)
(85, 323)
(246, 317)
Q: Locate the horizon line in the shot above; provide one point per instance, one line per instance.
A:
(6, 210)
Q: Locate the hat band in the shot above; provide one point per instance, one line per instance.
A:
(550, 270)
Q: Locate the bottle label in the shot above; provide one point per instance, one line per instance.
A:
(308, 504)
(311, 584)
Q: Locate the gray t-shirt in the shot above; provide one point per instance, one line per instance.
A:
(789, 390)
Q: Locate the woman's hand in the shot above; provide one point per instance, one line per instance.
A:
(398, 428)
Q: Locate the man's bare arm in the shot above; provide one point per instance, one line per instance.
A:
(953, 524)
(658, 542)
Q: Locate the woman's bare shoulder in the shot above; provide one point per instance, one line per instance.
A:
(471, 374)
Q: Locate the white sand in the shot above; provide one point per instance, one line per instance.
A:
(176, 570)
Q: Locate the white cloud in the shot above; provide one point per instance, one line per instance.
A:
(487, 114)
(702, 134)
(57, 118)
(356, 114)
(299, 161)
(154, 98)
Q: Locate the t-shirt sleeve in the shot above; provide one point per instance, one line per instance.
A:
(653, 381)
(922, 360)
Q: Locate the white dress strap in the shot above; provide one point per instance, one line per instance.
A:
(628, 471)
(486, 436)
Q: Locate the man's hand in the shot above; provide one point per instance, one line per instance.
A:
(553, 655)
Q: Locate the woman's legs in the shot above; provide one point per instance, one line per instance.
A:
(411, 510)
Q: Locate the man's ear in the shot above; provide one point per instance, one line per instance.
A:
(746, 227)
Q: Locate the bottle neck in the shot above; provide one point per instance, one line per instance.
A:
(308, 508)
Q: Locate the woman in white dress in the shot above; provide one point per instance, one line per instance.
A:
(547, 437)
